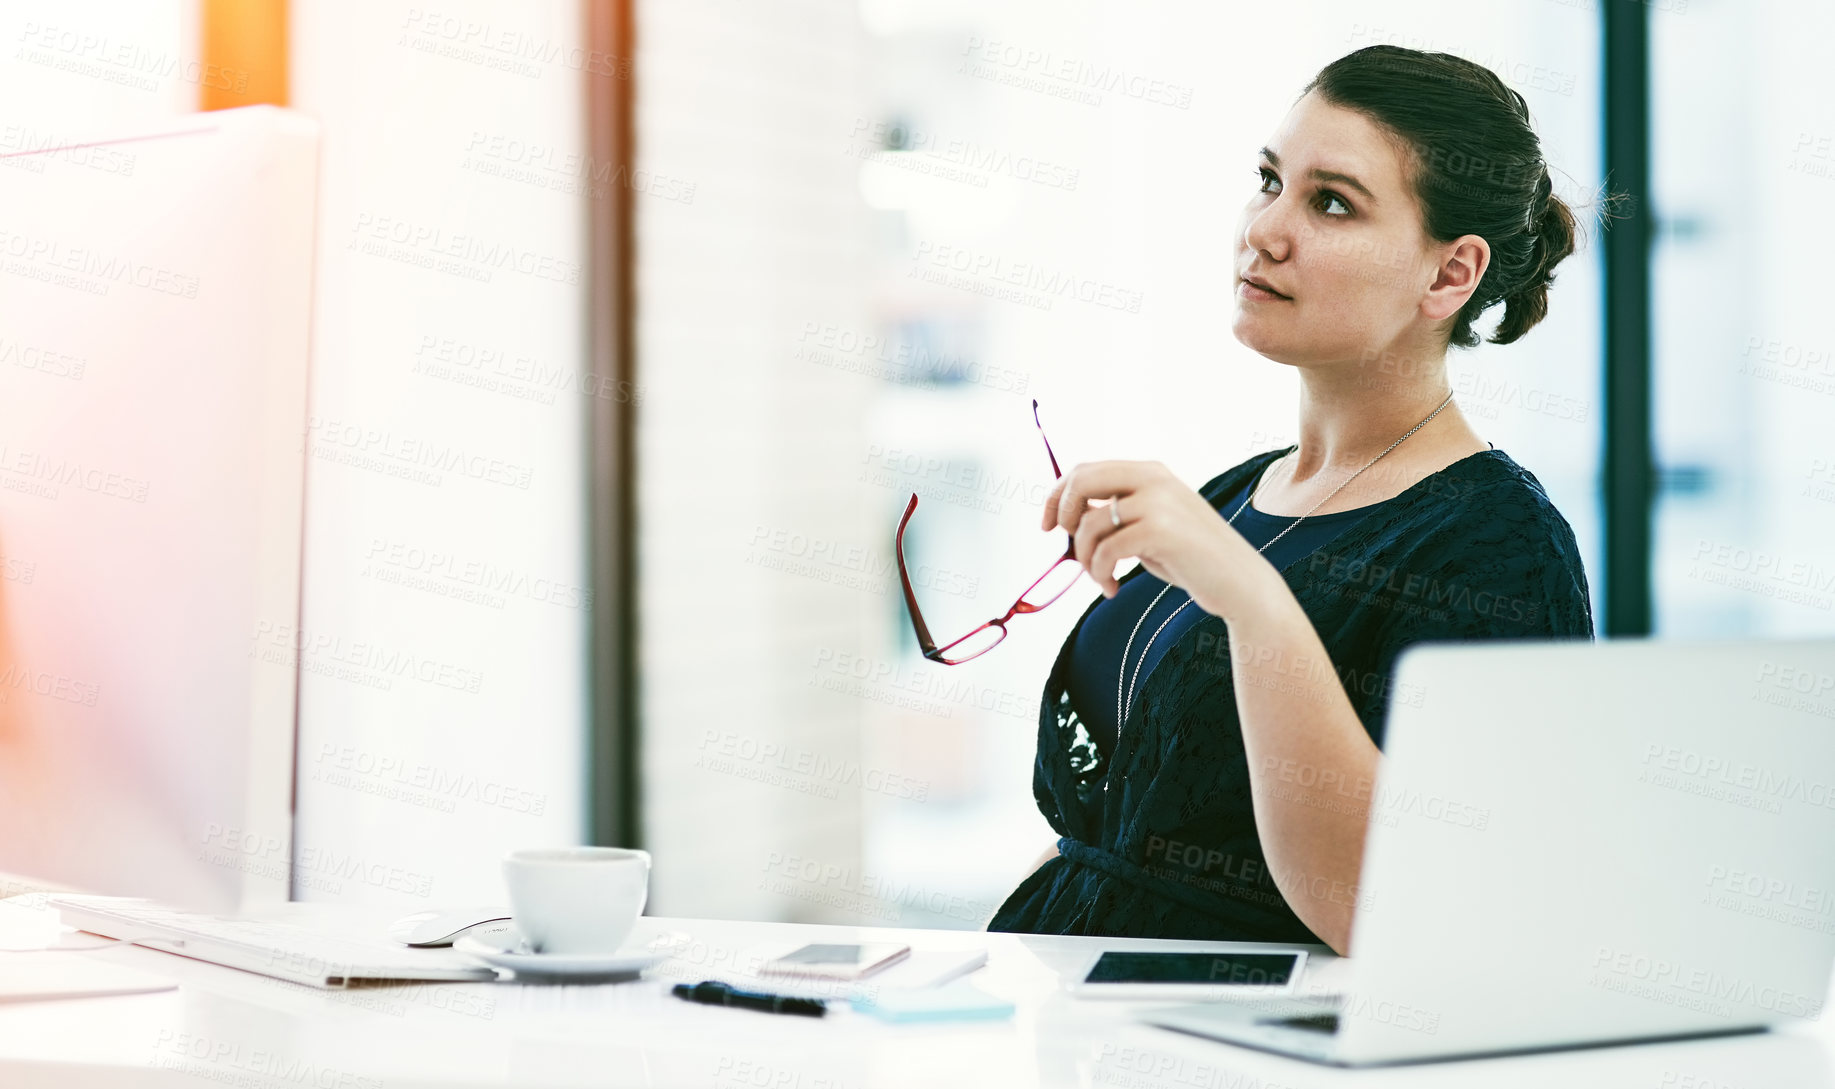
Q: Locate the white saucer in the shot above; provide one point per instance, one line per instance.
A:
(508, 950)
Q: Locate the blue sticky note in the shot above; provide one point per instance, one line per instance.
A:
(959, 1001)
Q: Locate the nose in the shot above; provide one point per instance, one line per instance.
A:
(1268, 227)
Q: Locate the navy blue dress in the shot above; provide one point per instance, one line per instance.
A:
(1156, 828)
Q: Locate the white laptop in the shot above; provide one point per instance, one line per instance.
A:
(1578, 843)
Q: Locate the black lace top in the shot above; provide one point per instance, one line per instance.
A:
(1096, 674)
(1169, 849)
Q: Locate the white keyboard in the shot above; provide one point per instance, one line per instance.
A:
(281, 950)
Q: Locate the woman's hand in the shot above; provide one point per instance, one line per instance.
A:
(1177, 536)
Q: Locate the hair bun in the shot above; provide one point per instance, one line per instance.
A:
(1552, 238)
(1539, 206)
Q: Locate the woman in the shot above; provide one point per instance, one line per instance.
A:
(1210, 732)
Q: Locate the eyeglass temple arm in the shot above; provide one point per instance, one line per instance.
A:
(1070, 549)
(1055, 471)
(925, 642)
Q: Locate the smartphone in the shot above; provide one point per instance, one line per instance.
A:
(836, 961)
(1191, 975)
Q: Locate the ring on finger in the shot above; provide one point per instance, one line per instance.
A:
(1115, 512)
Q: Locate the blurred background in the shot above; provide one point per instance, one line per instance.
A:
(863, 235)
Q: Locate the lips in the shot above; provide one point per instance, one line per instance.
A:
(1265, 286)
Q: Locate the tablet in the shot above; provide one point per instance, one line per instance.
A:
(1157, 975)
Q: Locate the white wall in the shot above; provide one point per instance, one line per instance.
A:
(746, 230)
(1743, 340)
(443, 632)
(1788, 349)
(70, 68)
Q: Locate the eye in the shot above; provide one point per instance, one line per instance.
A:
(1328, 195)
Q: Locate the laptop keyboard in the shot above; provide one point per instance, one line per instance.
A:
(1318, 1022)
(1288, 1007)
(1313, 1013)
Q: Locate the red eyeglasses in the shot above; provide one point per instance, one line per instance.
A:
(1046, 589)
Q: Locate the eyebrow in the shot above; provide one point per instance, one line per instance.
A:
(1325, 175)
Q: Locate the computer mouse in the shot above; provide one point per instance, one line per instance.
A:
(435, 928)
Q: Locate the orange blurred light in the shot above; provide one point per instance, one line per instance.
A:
(244, 53)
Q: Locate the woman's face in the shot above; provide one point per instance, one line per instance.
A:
(1336, 229)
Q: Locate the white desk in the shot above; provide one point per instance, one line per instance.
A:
(229, 1028)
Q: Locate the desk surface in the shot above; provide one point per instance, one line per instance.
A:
(228, 1028)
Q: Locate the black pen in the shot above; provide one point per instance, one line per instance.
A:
(713, 993)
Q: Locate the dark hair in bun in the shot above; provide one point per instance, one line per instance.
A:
(1477, 168)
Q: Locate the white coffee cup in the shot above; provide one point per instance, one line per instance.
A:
(576, 900)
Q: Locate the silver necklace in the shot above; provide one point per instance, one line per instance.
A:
(1123, 710)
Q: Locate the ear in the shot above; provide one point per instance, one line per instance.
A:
(1462, 265)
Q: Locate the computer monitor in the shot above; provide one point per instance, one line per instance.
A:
(155, 293)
